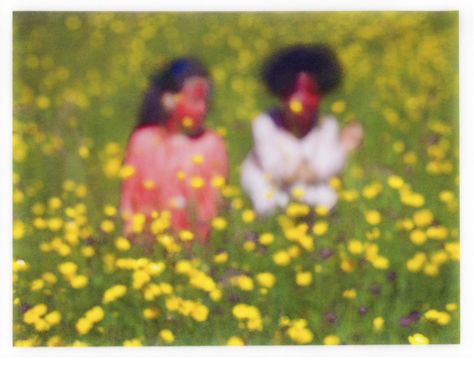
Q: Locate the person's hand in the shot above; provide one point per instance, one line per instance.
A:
(351, 136)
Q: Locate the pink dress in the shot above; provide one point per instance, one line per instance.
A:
(177, 173)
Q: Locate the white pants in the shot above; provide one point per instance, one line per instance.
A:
(266, 196)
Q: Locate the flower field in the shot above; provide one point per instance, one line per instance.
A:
(382, 268)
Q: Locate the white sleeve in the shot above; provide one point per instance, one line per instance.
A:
(277, 157)
(324, 151)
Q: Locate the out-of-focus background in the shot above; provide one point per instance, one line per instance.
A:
(383, 268)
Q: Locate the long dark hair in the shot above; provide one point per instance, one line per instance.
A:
(170, 79)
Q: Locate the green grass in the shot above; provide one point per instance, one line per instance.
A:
(78, 82)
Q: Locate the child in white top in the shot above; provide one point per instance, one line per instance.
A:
(295, 151)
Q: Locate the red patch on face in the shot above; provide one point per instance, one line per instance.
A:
(306, 94)
(193, 103)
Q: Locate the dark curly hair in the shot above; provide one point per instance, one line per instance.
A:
(281, 69)
(170, 79)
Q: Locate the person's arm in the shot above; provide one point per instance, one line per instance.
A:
(325, 154)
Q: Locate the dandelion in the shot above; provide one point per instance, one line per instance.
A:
(197, 183)
(248, 216)
(418, 237)
(320, 228)
(304, 278)
(219, 223)
(113, 293)
(122, 244)
(235, 341)
(378, 324)
(266, 238)
(349, 294)
(79, 281)
(132, 343)
(167, 336)
(372, 217)
(266, 279)
(281, 258)
(331, 340)
(418, 339)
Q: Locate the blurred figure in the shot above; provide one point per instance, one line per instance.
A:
(175, 159)
(296, 151)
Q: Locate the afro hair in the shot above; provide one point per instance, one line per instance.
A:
(281, 69)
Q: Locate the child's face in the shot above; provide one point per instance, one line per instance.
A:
(303, 101)
(192, 104)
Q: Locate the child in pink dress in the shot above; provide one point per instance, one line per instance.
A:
(174, 158)
(296, 151)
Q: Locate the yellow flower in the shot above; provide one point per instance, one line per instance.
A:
(451, 307)
(281, 258)
(167, 336)
(304, 278)
(67, 269)
(126, 171)
(132, 343)
(218, 181)
(378, 324)
(79, 281)
(49, 277)
(197, 159)
(321, 211)
(338, 106)
(221, 258)
(431, 270)
(18, 229)
(266, 279)
(248, 215)
(244, 282)
(53, 318)
(415, 264)
(297, 210)
(197, 182)
(349, 294)
(320, 228)
(355, 246)
(83, 326)
(107, 226)
(266, 238)
(331, 340)
(122, 244)
(219, 223)
(186, 235)
(418, 237)
(113, 293)
(299, 333)
(140, 278)
(199, 312)
(395, 182)
(249, 246)
(296, 106)
(19, 266)
(87, 251)
(235, 341)
(417, 339)
(151, 313)
(95, 314)
(372, 217)
(437, 232)
(423, 217)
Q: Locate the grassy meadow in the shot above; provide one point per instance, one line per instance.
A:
(382, 268)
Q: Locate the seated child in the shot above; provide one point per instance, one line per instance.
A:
(296, 151)
(175, 159)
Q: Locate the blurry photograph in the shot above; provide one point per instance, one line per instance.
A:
(235, 178)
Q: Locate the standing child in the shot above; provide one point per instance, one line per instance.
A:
(175, 160)
(296, 151)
